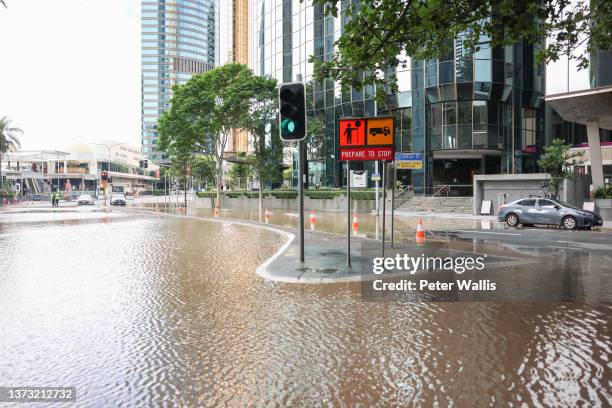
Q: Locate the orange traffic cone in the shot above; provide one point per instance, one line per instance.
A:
(313, 219)
(355, 223)
(420, 234)
(267, 216)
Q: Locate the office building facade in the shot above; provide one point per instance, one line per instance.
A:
(468, 113)
(234, 47)
(179, 39)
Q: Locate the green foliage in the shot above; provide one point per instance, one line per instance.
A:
(8, 139)
(203, 168)
(239, 173)
(363, 195)
(376, 33)
(322, 194)
(206, 194)
(603, 192)
(260, 121)
(557, 162)
(285, 194)
(204, 111)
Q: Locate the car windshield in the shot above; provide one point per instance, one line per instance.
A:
(564, 204)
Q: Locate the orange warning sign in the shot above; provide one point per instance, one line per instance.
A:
(380, 131)
(352, 132)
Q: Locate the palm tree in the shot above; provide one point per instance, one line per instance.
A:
(8, 141)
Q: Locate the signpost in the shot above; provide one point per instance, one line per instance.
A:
(412, 161)
(366, 139)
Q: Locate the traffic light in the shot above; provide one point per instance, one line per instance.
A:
(104, 176)
(146, 164)
(141, 163)
(292, 103)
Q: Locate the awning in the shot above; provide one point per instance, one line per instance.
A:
(591, 105)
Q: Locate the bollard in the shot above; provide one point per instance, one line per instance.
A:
(420, 234)
(313, 220)
(355, 223)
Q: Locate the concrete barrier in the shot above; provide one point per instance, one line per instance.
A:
(246, 203)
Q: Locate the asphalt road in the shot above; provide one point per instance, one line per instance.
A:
(594, 242)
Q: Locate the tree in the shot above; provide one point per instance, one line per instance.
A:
(558, 161)
(203, 168)
(204, 111)
(376, 33)
(8, 139)
(260, 121)
(3, 3)
(315, 139)
(238, 173)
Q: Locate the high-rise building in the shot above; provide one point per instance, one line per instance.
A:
(179, 39)
(468, 113)
(234, 47)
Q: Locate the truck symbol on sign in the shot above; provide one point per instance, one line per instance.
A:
(384, 130)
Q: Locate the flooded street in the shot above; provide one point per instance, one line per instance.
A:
(140, 310)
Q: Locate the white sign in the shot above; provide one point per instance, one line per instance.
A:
(485, 207)
(359, 178)
(589, 206)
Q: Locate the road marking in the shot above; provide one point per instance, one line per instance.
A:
(483, 232)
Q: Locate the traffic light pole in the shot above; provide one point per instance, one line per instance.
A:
(348, 214)
(301, 195)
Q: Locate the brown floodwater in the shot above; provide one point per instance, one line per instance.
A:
(158, 311)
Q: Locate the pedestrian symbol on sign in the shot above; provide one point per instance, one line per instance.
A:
(352, 132)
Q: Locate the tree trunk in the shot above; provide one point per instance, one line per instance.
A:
(185, 181)
(219, 174)
(1, 183)
(260, 199)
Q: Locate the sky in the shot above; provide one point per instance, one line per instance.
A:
(70, 70)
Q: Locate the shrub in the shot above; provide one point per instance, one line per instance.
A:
(207, 194)
(362, 195)
(322, 194)
(603, 192)
(285, 194)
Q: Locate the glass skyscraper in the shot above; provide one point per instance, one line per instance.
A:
(468, 113)
(179, 39)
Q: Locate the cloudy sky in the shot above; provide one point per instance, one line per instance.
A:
(70, 70)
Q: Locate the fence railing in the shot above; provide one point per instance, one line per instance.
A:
(445, 190)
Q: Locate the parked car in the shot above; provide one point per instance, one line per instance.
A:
(117, 199)
(85, 199)
(546, 211)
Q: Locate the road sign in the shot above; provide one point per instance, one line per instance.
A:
(409, 161)
(359, 178)
(375, 177)
(352, 132)
(380, 131)
(366, 153)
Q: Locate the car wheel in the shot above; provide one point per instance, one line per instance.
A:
(569, 222)
(512, 220)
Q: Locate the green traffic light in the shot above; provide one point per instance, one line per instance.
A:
(288, 126)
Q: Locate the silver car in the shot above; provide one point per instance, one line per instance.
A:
(546, 211)
(117, 199)
(85, 199)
